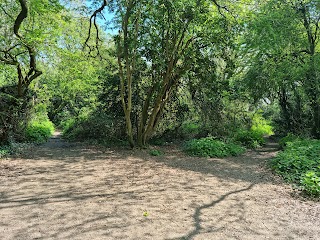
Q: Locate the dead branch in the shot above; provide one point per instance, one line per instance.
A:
(93, 21)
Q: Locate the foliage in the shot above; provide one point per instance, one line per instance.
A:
(14, 148)
(25, 27)
(14, 113)
(283, 59)
(39, 131)
(210, 147)
(190, 129)
(311, 183)
(289, 139)
(261, 125)
(299, 163)
(5, 151)
(160, 46)
(98, 125)
(155, 152)
(250, 138)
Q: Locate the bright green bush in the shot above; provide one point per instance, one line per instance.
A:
(299, 163)
(39, 131)
(261, 125)
(210, 147)
(250, 138)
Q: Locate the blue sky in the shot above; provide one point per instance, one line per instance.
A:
(108, 16)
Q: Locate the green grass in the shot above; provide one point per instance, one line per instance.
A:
(210, 147)
(299, 164)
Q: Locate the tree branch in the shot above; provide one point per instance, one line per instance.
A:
(220, 7)
(2, 8)
(93, 21)
(22, 15)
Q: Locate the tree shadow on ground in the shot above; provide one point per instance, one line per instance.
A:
(251, 167)
(105, 190)
(197, 214)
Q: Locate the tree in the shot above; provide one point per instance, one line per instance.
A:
(21, 34)
(157, 45)
(285, 52)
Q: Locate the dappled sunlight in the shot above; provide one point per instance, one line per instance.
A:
(83, 192)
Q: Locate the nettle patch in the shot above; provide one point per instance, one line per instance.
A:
(299, 164)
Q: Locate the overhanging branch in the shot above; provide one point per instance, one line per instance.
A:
(93, 21)
(220, 7)
(22, 15)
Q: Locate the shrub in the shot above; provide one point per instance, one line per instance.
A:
(250, 138)
(4, 151)
(189, 130)
(299, 163)
(261, 125)
(288, 140)
(39, 131)
(311, 183)
(155, 152)
(98, 126)
(210, 147)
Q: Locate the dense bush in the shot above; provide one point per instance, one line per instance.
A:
(210, 147)
(14, 114)
(288, 139)
(97, 126)
(250, 138)
(261, 125)
(190, 129)
(39, 131)
(299, 163)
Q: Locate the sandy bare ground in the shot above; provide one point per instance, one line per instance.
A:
(65, 191)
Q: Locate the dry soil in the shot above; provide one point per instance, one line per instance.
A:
(73, 191)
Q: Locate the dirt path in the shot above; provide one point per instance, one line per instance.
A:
(65, 191)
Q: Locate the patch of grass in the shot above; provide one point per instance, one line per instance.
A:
(155, 152)
(299, 164)
(210, 147)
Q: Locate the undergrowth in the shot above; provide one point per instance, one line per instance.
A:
(299, 164)
(250, 138)
(39, 131)
(155, 152)
(14, 148)
(210, 147)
